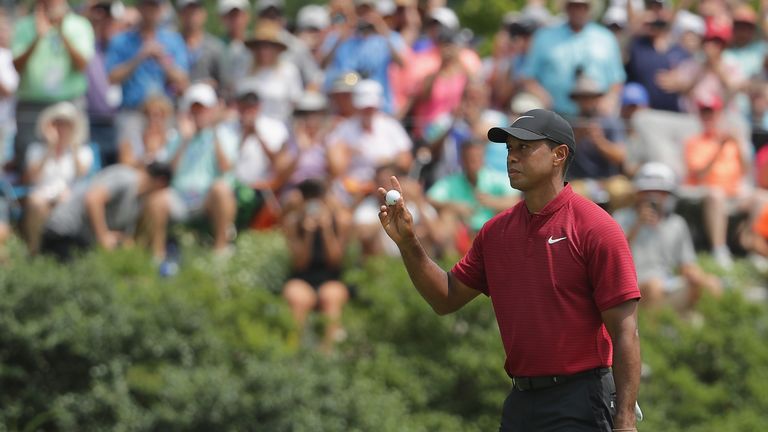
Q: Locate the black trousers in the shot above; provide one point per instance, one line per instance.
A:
(587, 403)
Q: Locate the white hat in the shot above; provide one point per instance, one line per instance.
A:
(227, 6)
(615, 15)
(524, 102)
(66, 111)
(445, 17)
(368, 94)
(386, 7)
(311, 101)
(655, 176)
(181, 4)
(688, 22)
(313, 16)
(200, 93)
(262, 5)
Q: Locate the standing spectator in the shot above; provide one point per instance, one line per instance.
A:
(557, 52)
(652, 53)
(277, 81)
(505, 77)
(600, 149)
(144, 61)
(157, 133)
(53, 165)
(662, 246)
(747, 48)
(199, 157)
(297, 52)
(371, 139)
(105, 213)
(102, 97)
(364, 44)
(9, 83)
(235, 17)
(317, 237)
(204, 51)
(312, 25)
(51, 50)
(340, 95)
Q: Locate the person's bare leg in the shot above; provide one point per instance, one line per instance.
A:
(716, 217)
(333, 296)
(652, 291)
(700, 282)
(36, 211)
(157, 212)
(301, 299)
(222, 209)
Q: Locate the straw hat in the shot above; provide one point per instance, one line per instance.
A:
(64, 111)
(267, 32)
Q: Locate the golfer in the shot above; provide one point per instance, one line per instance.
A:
(560, 276)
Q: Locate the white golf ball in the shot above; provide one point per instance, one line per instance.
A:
(392, 197)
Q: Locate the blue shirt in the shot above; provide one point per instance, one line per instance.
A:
(370, 56)
(148, 78)
(556, 53)
(645, 62)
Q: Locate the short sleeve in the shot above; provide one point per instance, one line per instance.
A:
(85, 156)
(441, 190)
(398, 137)
(228, 142)
(23, 35)
(470, 270)
(116, 179)
(609, 264)
(35, 153)
(178, 51)
(79, 33)
(9, 78)
(533, 60)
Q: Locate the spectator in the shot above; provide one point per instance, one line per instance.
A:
(277, 81)
(106, 212)
(102, 97)
(747, 49)
(157, 133)
(575, 44)
(711, 76)
(399, 20)
(717, 170)
(595, 172)
(364, 44)
(144, 61)
(467, 200)
(688, 30)
(9, 83)
(312, 25)
(369, 140)
(634, 98)
(297, 52)
(53, 165)
(202, 153)
(662, 246)
(652, 54)
(340, 95)
(204, 51)
(316, 236)
(310, 138)
(51, 50)
(234, 16)
(504, 76)
(262, 163)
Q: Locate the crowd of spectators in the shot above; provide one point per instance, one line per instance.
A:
(118, 122)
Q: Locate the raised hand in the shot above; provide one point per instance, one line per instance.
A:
(396, 219)
(42, 23)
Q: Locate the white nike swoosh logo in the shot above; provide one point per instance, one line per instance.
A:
(555, 240)
(522, 117)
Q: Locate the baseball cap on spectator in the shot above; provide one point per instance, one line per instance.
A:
(538, 14)
(709, 102)
(615, 16)
(156, 2)
(365, 2)
(345, 83)
(227, 6)
(313, 17)
(688, 22)
(181, 4)
(744, 13)
(586, 87)
(524, 102)
(445, 17)
(311, 101)
(246, 92)
(518, 24)
(368, 94)
(199, 93)
(266, 32)
(263, 5)
(115, 8)
(537, 124)
(634, 94)
(719, 30)
(655, 176)
(386, 7)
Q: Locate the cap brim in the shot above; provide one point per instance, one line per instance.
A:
(500, 135)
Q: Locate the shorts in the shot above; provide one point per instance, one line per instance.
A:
(317, 277)
(587, 403)
(185, 207)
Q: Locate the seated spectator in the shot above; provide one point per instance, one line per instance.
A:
(317, 237)
(467, 200)
(634, 98)
(9, 83)
(158, 132)
(262, 164)
(340, 95)
(600, 149)
(53, 165)
(277, 81)
(199, 157)
(204, 50)
(688, 29)
(427, 225)
(309, 158)
(662, 246)
(371, 139)
(105, 213)
(717, 171)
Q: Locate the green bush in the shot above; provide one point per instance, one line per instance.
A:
(105, 344)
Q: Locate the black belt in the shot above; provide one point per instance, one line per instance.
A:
(540, 382)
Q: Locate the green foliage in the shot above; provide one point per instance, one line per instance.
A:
(105, 344)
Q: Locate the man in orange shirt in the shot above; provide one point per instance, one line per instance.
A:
(717, 170)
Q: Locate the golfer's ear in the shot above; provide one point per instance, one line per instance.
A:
(561, 154)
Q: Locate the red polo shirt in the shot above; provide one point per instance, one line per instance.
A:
(549, 275)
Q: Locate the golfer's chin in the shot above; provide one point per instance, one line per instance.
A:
(516, 181)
